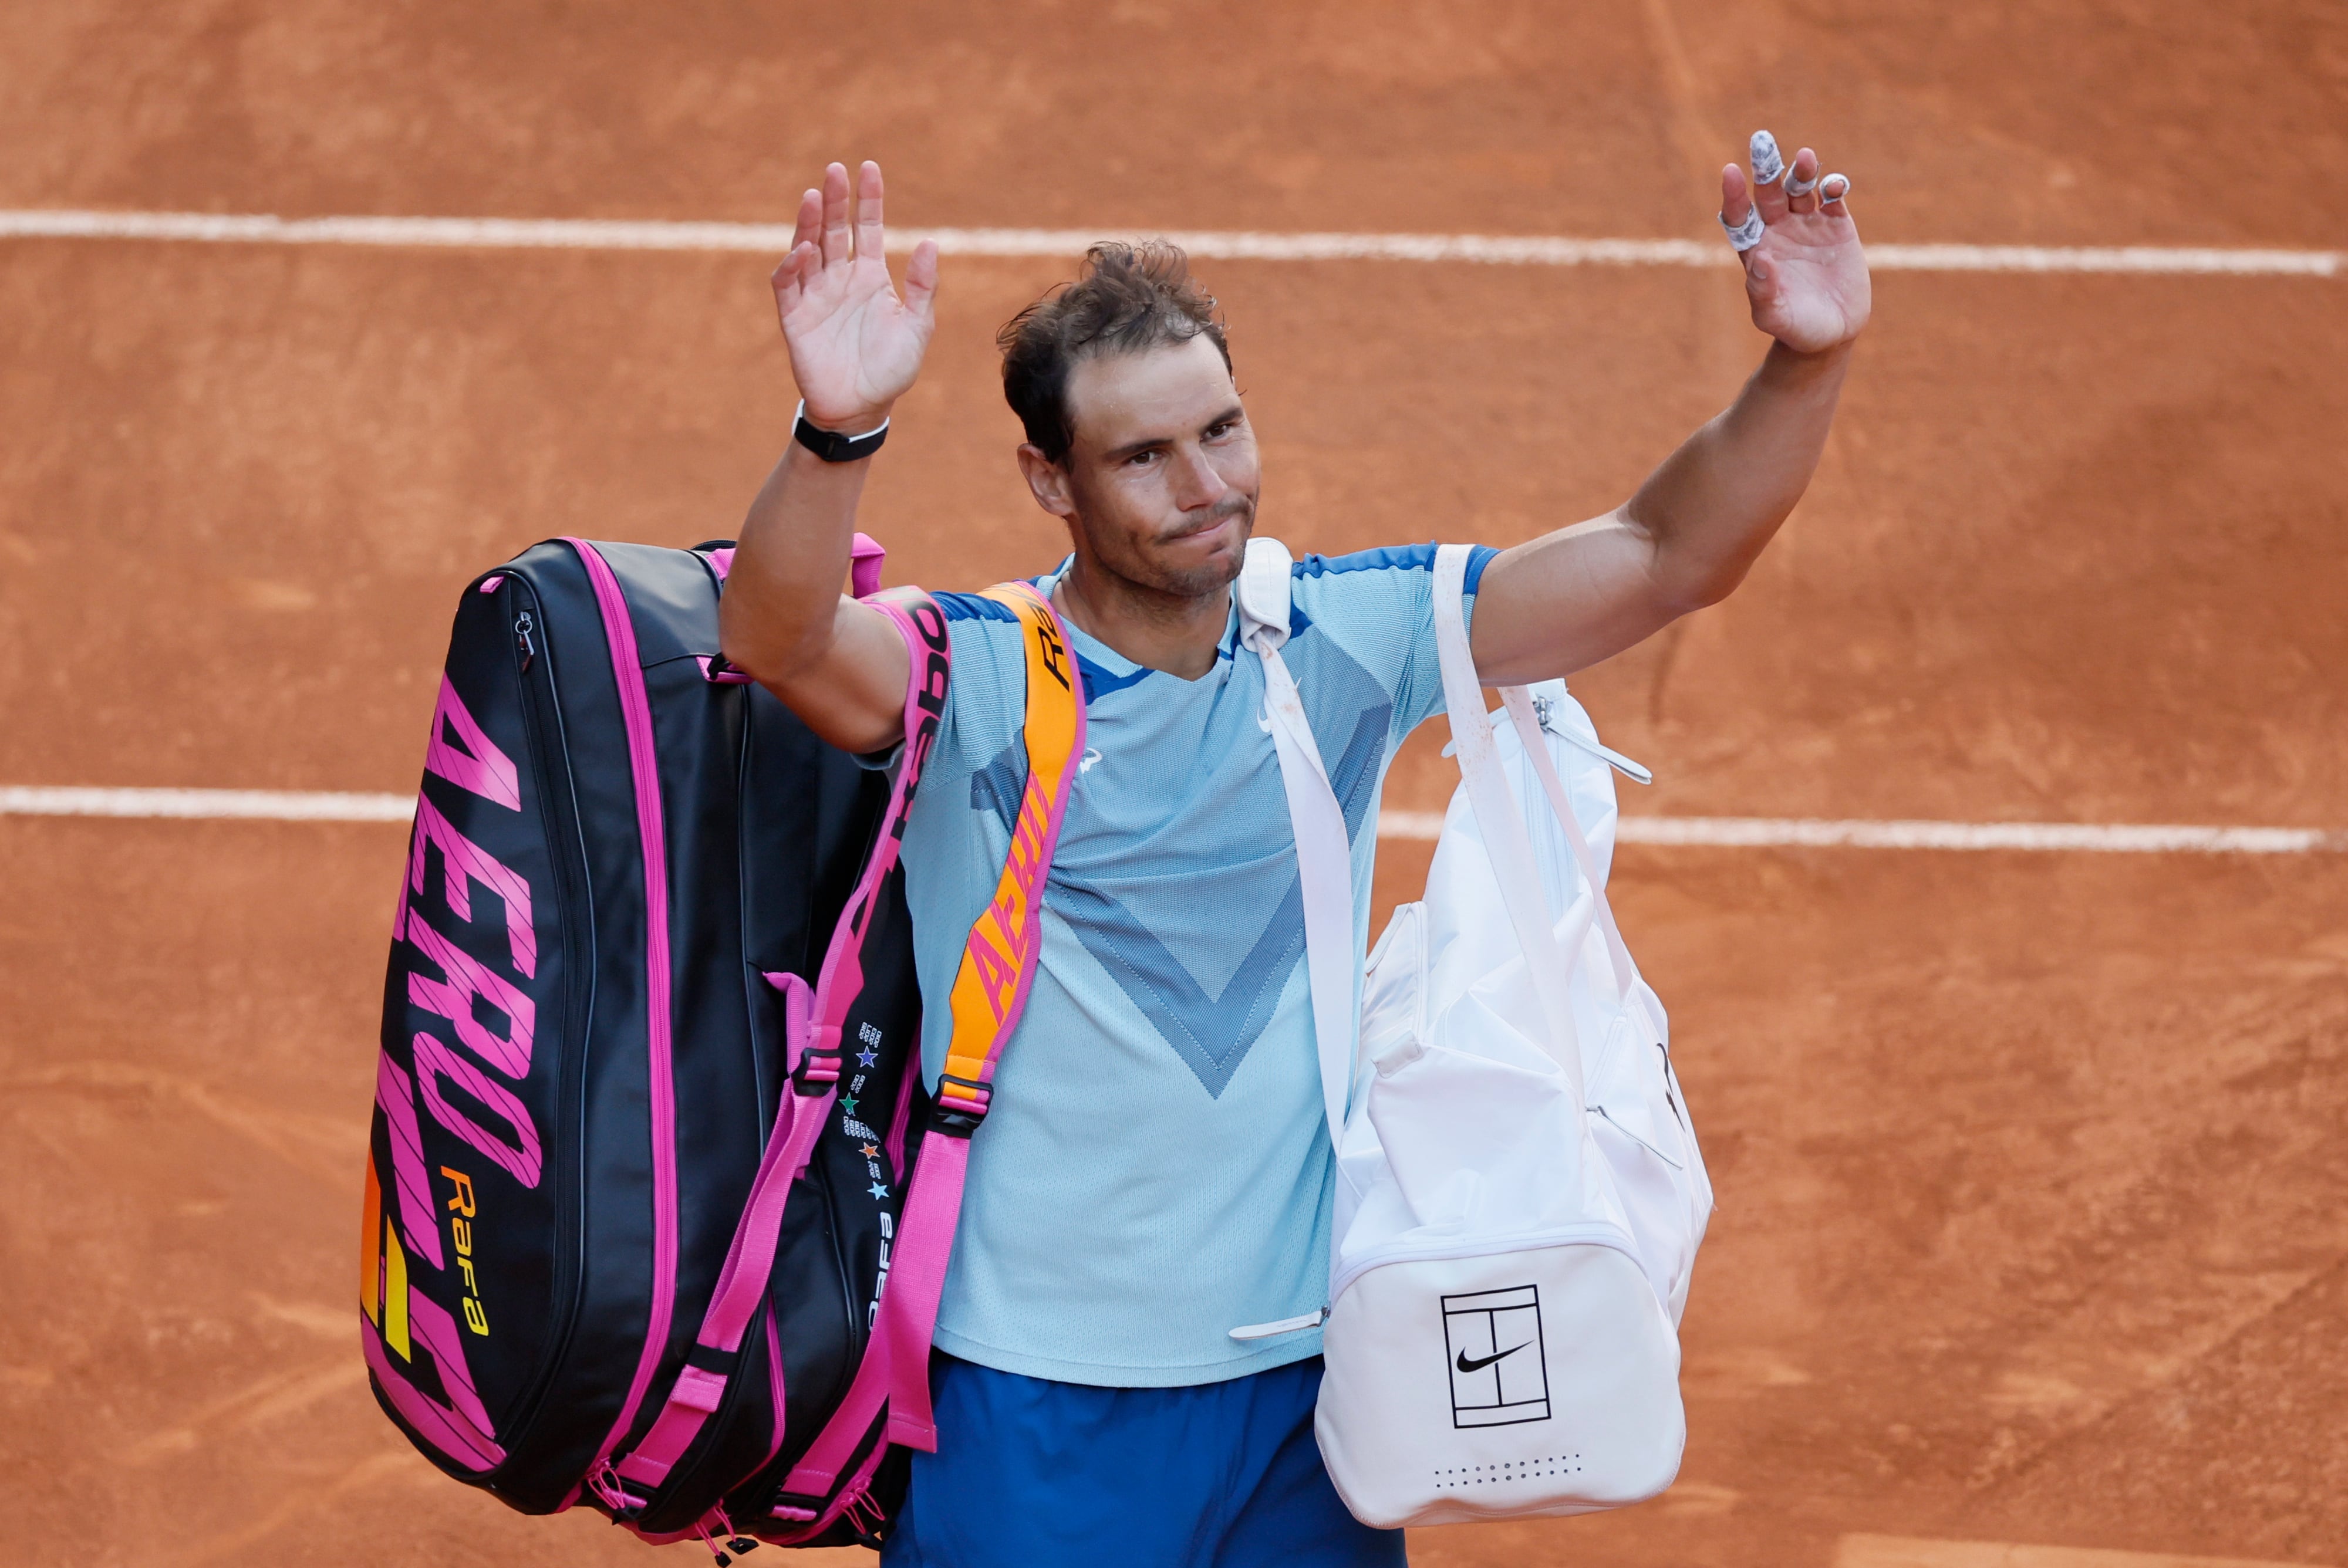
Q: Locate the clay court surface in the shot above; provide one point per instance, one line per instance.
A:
(2032, 1167)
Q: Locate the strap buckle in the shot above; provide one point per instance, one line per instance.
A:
(819, 1068)
(961, 1105)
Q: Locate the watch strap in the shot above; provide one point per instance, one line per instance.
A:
(830, 445)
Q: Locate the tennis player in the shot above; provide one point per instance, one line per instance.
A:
(1155, 1170)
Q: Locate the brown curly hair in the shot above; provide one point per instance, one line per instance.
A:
(1128, 298)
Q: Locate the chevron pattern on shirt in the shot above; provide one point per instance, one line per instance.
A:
(1213, 1034)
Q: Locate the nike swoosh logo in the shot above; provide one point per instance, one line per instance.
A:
(1466, 1365)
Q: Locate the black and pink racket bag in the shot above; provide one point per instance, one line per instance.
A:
(649, 1091)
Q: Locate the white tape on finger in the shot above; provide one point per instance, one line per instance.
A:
(1746, 235)
(1836, 187)
(1768, 162)
(1797, 186)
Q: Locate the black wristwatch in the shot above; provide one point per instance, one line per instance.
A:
(830, 445)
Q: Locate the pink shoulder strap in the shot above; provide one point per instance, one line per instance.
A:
(812, 1064)
(989, 995)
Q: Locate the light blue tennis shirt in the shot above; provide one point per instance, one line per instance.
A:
(1155, 1170)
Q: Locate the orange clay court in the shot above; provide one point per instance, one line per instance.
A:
(2032, 1249)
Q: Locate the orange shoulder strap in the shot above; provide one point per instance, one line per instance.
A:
(998, 965)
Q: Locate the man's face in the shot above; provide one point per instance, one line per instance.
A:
(1162, 478)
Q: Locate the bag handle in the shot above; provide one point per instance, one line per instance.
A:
(1506, 844)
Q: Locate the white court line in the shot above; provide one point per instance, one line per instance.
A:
(1778, 831)
(774, 239)
(1731, 831)
(1910, 1552)
(2137, 837)
(265, 804)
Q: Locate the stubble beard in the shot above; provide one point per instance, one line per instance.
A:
(1140, 569)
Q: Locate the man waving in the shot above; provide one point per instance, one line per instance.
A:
(1156, 1169)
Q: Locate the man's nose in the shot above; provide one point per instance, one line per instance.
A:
(1195, 482)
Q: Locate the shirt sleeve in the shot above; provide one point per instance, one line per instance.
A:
(974, 633)
(986, 697)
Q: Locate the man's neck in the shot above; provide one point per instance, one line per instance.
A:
(1155, 630)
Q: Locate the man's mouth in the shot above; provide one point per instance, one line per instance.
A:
(1193, 530)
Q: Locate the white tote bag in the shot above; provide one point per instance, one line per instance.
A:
(1520, 1195)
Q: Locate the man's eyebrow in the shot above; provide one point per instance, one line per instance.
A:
(1131, 449)
(1120, 454)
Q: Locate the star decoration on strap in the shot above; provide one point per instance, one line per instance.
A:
(878, 1191)
(867, 1058)
(870, 1152)
(848, 1104)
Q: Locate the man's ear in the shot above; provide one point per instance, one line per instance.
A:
(1048, 481)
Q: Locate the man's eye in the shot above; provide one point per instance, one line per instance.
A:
(1140, 459)
(1215, 432)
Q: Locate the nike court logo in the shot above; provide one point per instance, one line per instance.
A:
(1477, 1365)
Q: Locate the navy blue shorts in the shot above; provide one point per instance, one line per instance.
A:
(1030, 1474)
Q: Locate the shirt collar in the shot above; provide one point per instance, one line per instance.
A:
(1104, 666)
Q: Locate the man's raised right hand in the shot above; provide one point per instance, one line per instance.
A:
(855, 345)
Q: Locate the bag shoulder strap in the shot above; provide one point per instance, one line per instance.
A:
(998, 962)
(1324, 856)
(1498, 817)
(1266, 575)
(812, 1074)
(990, 991)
